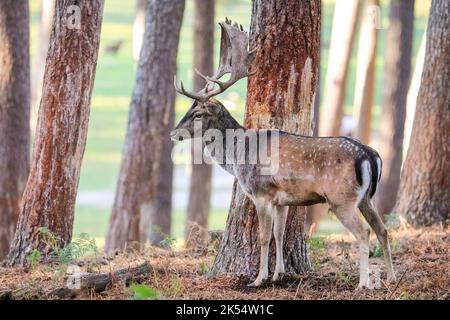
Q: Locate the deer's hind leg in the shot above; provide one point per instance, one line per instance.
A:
(279, 225)
(349, 217)
(371, 215)
(265, 221)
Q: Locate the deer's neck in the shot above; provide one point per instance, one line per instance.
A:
(218, 146)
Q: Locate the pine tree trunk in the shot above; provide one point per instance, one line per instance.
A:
(14, 114)
(395, 89)
(153, 98)
(365, 74)
(342, 35)
(45, 28)
(413, 92)
(196, 233)
(424, 193)
(161, 214)
(286, 35)
(50, 192)
(138, 28)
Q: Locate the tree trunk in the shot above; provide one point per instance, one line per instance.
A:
(315, 213)
(153, 98)
(45, 28)
(395, 89)
(413, 92)
(196, 233)
(286, 35)
(139, 28)
(50, 192)
(365, 74)
(161, 214)
(342, 36)
(14, 114)
(424, 193)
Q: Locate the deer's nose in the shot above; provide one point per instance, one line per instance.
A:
(175, 136)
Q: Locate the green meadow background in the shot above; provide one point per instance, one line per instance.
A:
(114, 84)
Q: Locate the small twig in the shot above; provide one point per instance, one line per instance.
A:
(298, 288)
(396, 286)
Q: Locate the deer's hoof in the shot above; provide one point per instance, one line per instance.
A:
(257, 283)
(392, 279)
(364, 286)
(278, 277)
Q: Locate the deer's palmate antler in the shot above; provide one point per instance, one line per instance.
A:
(234, 59)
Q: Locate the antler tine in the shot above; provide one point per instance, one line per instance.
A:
(192, 95)
(202, 76)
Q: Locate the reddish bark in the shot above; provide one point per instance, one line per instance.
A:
(49, 197)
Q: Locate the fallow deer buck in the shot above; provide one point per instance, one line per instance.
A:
(338, 171)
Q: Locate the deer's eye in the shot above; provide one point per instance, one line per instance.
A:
(197, 116)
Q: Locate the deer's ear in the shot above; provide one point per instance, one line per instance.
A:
(213, 109)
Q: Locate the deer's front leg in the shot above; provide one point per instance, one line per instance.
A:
(265, 219)
(279, 226)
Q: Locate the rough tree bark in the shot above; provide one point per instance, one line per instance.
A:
(37, 73)
(153, 98)
(139, 28)
(365, 72)
(393, 103)
(424, 193)
(411, 98)
(315, 213)
(196, 233)
(286, 35)
(342, 35)
(14, 114)
(50, 192)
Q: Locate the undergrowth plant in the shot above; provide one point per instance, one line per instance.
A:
(144, 292)
(62, 256)
(168, 241)
(317, 250)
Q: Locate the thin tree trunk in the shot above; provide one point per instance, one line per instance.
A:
(286, 35)
(413, 92)
(365, 74)
(14, 114)
(196, 233)
(424, 193)
(139, 28)
(153, 98)
(395, 89)
(44, 31)
(50, 192)
(342, 35)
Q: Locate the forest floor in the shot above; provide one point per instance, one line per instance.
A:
(421, 260)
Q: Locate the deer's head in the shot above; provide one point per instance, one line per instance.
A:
(207, 112)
